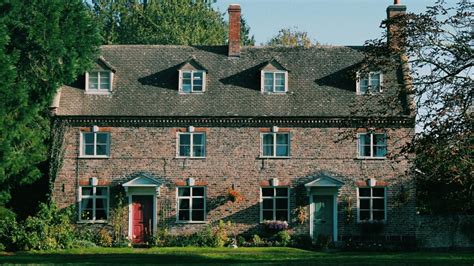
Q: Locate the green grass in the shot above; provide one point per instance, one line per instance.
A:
(228, 256)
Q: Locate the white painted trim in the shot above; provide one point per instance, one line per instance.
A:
(82, 147)
(132, 193)
(275, 145)
(99, 91)
(358, 78)
(371, 146)
(262, 82)
(180, 81)
(371, 208)
(274, 202)
(94, 198)
(190, 204)
(191, 141)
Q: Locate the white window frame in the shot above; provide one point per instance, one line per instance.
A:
(275, 145)
(192, 81)
(262, 82)
(190, 197)
(372, 146)
(82, 145)
(94, 197)
(371, 210)
(100, 91)
(274, 197)
(191, 142)
(369, 89)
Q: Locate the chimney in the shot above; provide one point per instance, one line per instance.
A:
(234, 30)
(394, 32)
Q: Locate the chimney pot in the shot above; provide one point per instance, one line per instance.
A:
(234, 30)
(395, 30)
(396, 2)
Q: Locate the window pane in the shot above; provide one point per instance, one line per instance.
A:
(198, 215)
(380, 151)
(282, 150)
(198, 191)
(380, 139)
(364, 215)
(364, 204)
(102, 138)
(86, 215)
(183, 204)
(198, 204)
(268, 139)
(86, 191)
(198, 151)
(267, 215)
(100, 215)
(183, 215)
(184, 139)
(378, 192)
(281, 191)
(100, 203)
(101, 191)
(101, 150)
(282, 204)
(267, 192)
(364, 192)
(281, 215)
(268, 79)
(375, 80)
(197, 87)
(183, 191)
(89, 150)
(267, 204)
(86, 204)
(282, 138)
(187, 75)
(378, 204)
(267, 150)
(198, 139)
(379, 215)
(88, 138)
(184, 150)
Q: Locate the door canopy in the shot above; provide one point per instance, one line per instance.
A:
(324, 181)
(143, 181)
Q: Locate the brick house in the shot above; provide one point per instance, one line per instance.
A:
(178, 128)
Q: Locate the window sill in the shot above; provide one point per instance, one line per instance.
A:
(191, 93)
(273, 93)
(191, 222)
(99, 92)
(274, 157)
(93, 157)
(93, 222)
(384, 222)
(371, 158)
(191, 158)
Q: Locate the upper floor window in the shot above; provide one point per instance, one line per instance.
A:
(94, 203)
(99, 81)
(275, 81)
(370, 82)
(192, 144)
(372, 145)
(275, 144)
(192, 81)
(372, 204)
(275, 203)
(95, 144)
(191, 204)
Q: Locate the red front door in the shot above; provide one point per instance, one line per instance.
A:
(142, 221)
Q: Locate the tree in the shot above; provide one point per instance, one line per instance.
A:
(436, 48)
(290, 37)
(245, 38)
(43, 44)
(163, 22)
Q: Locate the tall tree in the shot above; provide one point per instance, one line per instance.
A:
(291, 37)
(437, 48)
(44, 44)
(163, 22)
(245, 38)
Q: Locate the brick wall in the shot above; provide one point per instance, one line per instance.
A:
(232, 158)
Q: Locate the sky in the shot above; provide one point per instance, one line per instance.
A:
(338, 22)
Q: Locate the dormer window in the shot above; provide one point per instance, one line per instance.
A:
(273, 78)
(192, 77)
(99, 82)
(370, 82)
(274, 82)
(192, 81)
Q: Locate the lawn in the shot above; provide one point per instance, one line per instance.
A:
(228, 256)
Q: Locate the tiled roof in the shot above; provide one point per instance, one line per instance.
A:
(321, 84)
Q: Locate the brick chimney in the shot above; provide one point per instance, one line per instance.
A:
(234, 30)
(394, 32)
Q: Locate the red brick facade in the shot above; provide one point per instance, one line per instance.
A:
(233, 160)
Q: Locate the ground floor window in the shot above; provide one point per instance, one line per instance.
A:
(94, 203)
(274, 203)
(372, 204)
(191, 204)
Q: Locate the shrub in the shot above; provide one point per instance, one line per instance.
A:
(104, 238)
(241, 241)
(257, 241)
(83, 244)
(302, 241)
(283, 238)
(275, 226)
